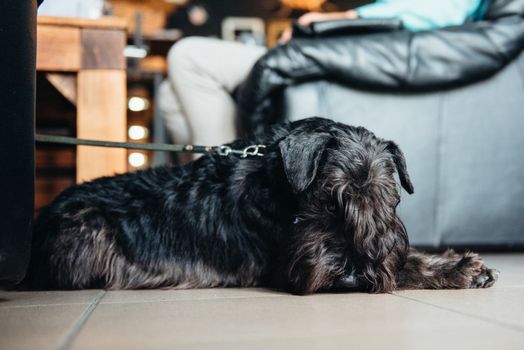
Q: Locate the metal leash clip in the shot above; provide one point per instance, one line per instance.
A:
(253, 150)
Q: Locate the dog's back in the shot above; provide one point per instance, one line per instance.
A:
(162, 227)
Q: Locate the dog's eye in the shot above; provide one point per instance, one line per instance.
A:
(296, 219)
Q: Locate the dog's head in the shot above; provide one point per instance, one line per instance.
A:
(346, 233)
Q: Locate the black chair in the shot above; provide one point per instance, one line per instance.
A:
(17, 111)
(453, 99)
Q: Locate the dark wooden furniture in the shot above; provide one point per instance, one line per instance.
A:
(17, 110)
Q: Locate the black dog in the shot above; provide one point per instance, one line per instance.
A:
(316, 212)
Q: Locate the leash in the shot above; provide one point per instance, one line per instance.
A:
(223, 150)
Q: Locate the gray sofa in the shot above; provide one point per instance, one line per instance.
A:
(464, 147)
(452, 98)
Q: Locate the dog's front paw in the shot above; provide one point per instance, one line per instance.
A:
(475, 273)
(485, 279)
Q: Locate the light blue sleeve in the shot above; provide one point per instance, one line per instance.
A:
(423, 14)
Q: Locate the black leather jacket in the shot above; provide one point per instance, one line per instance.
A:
(400, 60)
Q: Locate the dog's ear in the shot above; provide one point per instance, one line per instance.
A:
(301, 155)
(400, 162)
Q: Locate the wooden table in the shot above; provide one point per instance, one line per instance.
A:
(84, 60)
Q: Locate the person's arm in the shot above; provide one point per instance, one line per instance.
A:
(311, 17)
(414, 14)
(422, 15)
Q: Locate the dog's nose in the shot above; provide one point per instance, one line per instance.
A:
(352, 282)
(348, 281)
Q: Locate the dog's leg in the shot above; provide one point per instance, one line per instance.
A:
(449, 270)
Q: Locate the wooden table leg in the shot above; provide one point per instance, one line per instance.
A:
(101, 115)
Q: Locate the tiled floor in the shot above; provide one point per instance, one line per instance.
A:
(260, 319)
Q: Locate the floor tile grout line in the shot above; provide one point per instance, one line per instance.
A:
(505, 325)
(79, 324)
(145, 301)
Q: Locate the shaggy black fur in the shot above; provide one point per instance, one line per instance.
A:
(317, 212)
